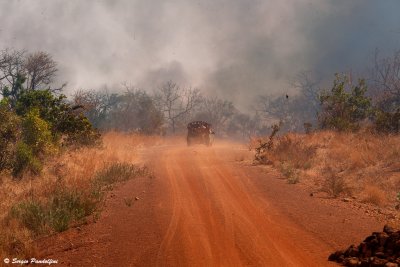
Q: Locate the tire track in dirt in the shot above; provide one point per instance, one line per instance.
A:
(220, 223)
(255, 219)
(176, 211)
(200, 209)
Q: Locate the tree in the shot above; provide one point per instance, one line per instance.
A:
(345, 105)
(274, 107)
(387, 122)
(244, 126)
(63, 120)
(135, 110)
(20, 72)
(294, 109)
(385, 83)
(216, 111)
(177, 103)
(40, 69)
(12, 74)
(96, 105)
(308, 87)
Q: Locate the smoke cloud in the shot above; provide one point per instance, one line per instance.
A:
(235, 49)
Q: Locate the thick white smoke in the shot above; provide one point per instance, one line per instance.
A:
(234, 48)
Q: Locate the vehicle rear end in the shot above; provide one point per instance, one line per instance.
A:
(200, 133)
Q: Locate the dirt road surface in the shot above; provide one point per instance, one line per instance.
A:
(203, 207)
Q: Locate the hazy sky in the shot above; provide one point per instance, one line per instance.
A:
(234, 48)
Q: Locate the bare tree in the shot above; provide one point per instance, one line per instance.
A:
(309, 87)
(40, 69)
(95, 104)
(19, 72)
(244, 126)
(11, 64)
(216, 111)
(12, 74)
(177, 103)
(273, 107)
(385, 80)
(134, 110)
(293, 110)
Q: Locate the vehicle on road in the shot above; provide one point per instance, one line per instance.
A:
(200, 132)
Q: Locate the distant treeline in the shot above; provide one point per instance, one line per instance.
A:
(347, 105)
(165, 111)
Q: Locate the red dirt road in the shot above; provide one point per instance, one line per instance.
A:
(203, 209)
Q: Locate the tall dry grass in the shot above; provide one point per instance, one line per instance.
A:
(71, 170)
(344, 163)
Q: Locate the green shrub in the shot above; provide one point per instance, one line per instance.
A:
(344, 106)
(36, 133)
(9, 134)
(60, 116)
(67, 206)
(32, 215)
(119, 172)
(387, 122)
(51, 108)
(33, 127)
(80, 132)
(113, 173)
(37, 142)
(63, 207)
(25, 160)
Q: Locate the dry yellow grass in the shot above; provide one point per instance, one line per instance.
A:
(74, 169)
(374, 195)
(360, 158)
